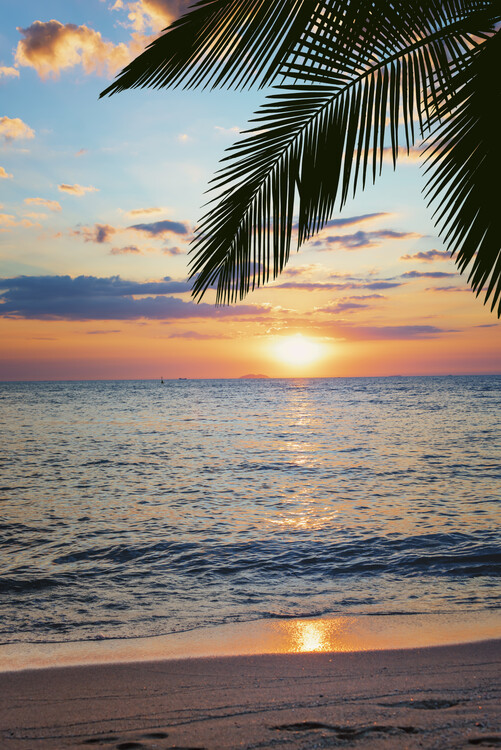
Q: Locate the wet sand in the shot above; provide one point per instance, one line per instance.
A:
(440, 697)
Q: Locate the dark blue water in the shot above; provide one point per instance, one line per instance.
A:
(132, 508)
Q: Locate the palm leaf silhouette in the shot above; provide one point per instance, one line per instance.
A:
(351, 80)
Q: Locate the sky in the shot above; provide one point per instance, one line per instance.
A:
(99, 199)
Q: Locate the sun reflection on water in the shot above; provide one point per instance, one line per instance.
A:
(310, 636)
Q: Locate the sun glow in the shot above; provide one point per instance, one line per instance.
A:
(297, 350)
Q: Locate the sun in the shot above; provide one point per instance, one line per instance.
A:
(297, 350)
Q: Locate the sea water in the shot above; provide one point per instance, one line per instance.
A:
(132, 508)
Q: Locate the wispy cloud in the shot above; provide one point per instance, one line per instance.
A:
(103, 332)
(8, 221)
(161, 228)
(354, 332)
(350, 304)
(128, 250)
(350, 220)
(319, 286)
(144, 211)
(430, 256)
(173, 250)
(197, 336)
(227, 132)
(13, 128)
(427, 275)
(449, 289)
(77, 189)
(361, 239)
(8, 72)
(109, 298)
(50, 204)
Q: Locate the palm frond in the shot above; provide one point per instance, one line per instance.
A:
(219, 43)
(314, 142)
(465, 163)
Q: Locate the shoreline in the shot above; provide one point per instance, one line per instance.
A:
(327, 634)
(435, 697)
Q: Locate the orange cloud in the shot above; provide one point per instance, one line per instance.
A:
(52, 205)
(13, 128)
(151, 14)
(5, 175)
(77, 189)
(141, 211)
(8, 220)
(50, 46)
(8, 72)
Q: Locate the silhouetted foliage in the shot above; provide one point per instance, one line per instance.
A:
(350, 79)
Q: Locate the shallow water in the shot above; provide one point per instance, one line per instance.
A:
(132, 508)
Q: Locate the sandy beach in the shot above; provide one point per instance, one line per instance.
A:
(439, 697)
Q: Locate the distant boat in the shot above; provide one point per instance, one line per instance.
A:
(182, 378)
(162, 380)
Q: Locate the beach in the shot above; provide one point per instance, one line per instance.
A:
(439, 697)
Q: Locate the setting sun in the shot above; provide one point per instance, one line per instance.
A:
(297, 350)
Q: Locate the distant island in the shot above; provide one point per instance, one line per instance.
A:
(251, 376)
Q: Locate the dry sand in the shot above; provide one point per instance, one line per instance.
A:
(441, 697)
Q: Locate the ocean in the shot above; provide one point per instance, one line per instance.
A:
(132, 508)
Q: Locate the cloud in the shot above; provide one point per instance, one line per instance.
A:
(52, 205)
(294, 272)
(128, 250)
(99, 233)
(227, 132)
(350, 304)
(197, 336)
(7, 72)
(362, 239)
(160, 228)
(109, 298)
(144, 211)
(77, 189)
(349, 220)
(353, 332)
(429, 256)
(8, 221)
(173, 251)
(315, 286)
(5, 175)
(81, 152)
(101, 333)
(449, 289)
(427, 275)
(151, 14)
(32, 215)
(13, 128)
(50, 47)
